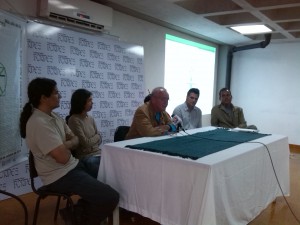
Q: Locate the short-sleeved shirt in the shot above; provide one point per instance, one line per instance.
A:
(190, 119)
(43, 134)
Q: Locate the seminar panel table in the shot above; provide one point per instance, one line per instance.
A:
(228, 187)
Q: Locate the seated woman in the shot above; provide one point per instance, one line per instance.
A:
(85, 128)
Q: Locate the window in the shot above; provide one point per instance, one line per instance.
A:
(189, 65)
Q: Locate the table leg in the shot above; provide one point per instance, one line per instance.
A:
(116, 218)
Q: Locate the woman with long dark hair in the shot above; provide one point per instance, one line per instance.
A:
(51, 141)
(84, 127)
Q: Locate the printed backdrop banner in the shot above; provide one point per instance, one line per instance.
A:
(110, 69)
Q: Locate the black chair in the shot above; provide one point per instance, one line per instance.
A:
(42, 193)
(20, 201)
(120, 133)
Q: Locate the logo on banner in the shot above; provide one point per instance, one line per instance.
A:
(88, 84)
(53, 70)
(86, 63)
(79, 74)
(96, 55)
(96, 75)
(106, 105)
(122, 122)
(103, 46)
(120, 67)
(115, 113)
(65, 105)
(141, 94)
(114, 94)
(129, 112)
(107, 123)
(113, 57)
(119, 49)
(128, 77)
(128, 94)
(65, 60)
(98, 94)
(53, 47)
(134, 69)
(65, 38)
(76, 51)
(86, 43)
(63, 93)
(113, 76)
(139, 61)
(127, 59)
(11, 172)
(136, 86)
(106, 85)
(140, 78)
(3, 186)
(104, 66)
(122, 86)
(21, 182)
(41, 57)
(112, 132)
(65, 82)
(99, 115)
(135, 103)
(34, 70)
(34, 44)
(122, 104)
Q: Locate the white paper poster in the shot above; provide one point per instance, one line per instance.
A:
(10, 74)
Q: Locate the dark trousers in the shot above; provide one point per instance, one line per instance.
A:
(100, 198)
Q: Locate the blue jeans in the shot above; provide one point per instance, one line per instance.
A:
(92, 164)
(100, 198)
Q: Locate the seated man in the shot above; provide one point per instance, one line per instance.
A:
(51, 142)
(151, 119)
(226, 114)
(190, 114)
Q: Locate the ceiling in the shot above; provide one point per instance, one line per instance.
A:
(210, 19)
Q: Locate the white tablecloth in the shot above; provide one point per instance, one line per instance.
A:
(228, 187)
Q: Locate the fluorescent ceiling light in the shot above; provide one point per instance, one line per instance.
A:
(252, 29)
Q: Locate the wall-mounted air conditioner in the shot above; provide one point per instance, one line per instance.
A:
(83, 13)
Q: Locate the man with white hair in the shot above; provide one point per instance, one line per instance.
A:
(151, 119)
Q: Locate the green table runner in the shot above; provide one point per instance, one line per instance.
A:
(198, 145)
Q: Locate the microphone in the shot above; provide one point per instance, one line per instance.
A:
(177, 121)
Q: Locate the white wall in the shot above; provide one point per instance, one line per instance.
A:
(266, 83)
